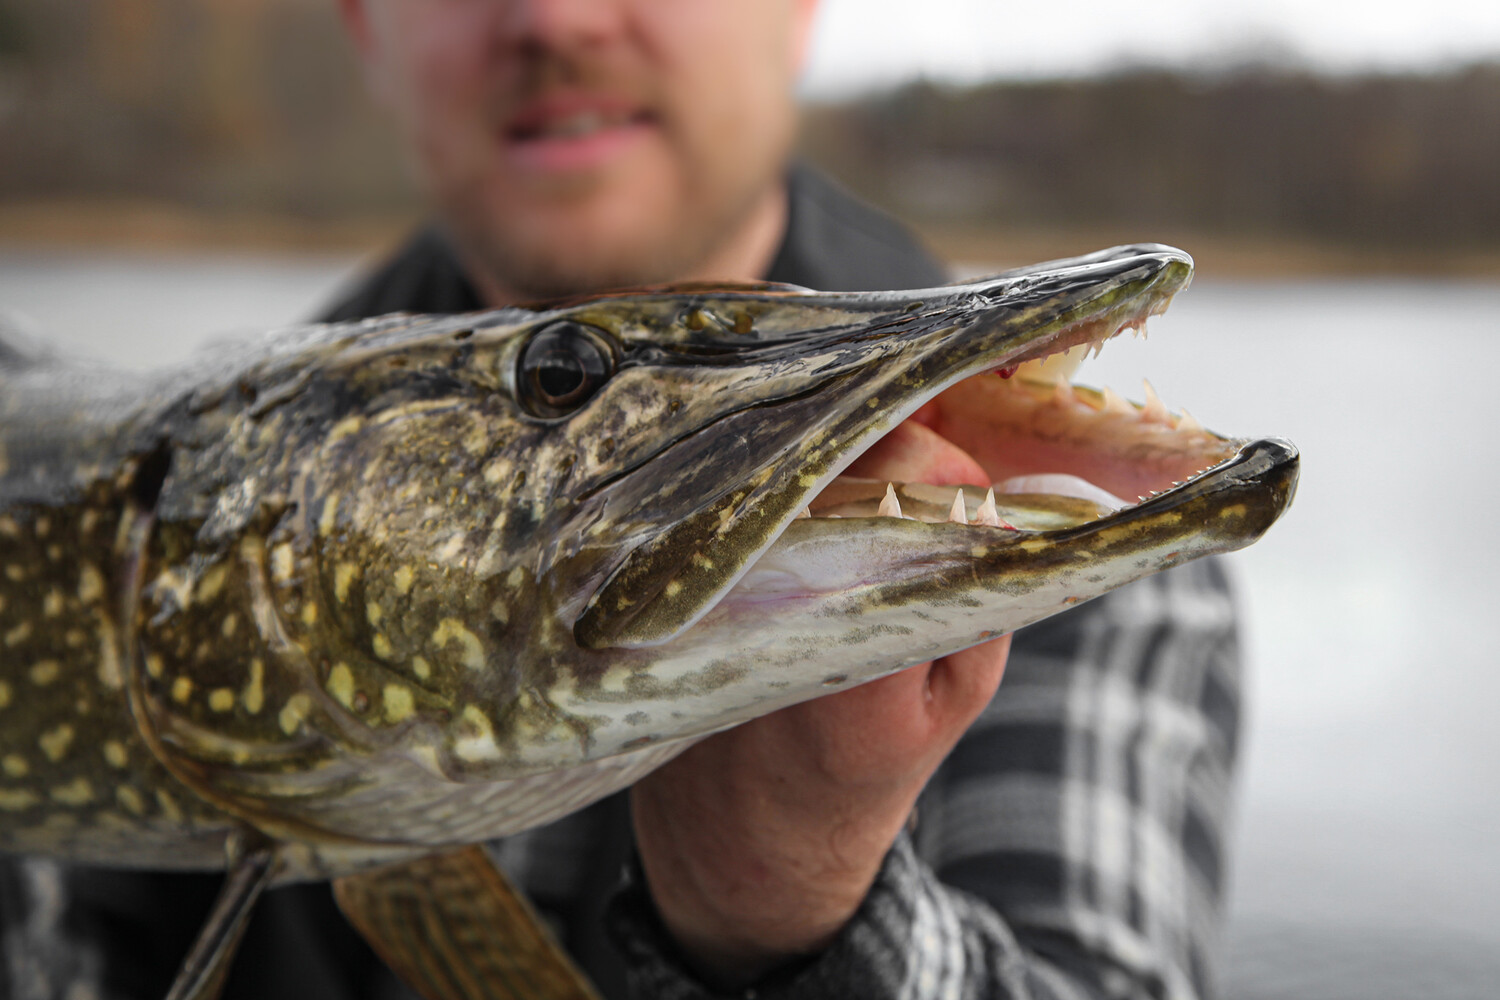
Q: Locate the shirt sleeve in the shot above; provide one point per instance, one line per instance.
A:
(1072, 845)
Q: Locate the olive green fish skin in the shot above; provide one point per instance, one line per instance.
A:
(346, 586)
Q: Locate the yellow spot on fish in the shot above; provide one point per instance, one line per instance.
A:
(499, 611)
(1233, 510)
(403, 580)
(154, 665)
(398, 702)
(15, 572)
(55, 742)
(112, 820)
(130, 800)
(281, 562)
(673, 588)
(702, 561)
(476, 440)
(169, 806)
(15, 765)
(309, 614)
(18, 635)
(451, 549)
(52, 604)
(87, 522)
(9, 527)
(293, 712)
(373, 611)
(345, 428)
(182, 690)
(43, 526)
(330, 515)
(221, 699)
(254, 694)
(77, 792)
(54, 552)
(807, 480)
(44, 672)
(231, 623)
(341, 684)
(421, 668)
(211, 582)
(4, 694)
(381, 645)
(343, 575)
(516, 578)
(15, 800)
(478, 743)
(114, 753)
(451, 629)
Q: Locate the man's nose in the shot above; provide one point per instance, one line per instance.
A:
(561, 23)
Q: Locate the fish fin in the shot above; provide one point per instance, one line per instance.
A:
(252, 865)
(454, 928)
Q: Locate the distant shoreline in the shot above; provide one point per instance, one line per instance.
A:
(162, 227)
(1217, 255)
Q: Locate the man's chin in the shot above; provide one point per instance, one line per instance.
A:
(583, 246)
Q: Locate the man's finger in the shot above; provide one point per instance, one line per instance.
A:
(963, 683)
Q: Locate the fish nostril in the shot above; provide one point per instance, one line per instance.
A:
(150, 475)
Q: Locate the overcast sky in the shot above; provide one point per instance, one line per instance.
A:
(863, 43)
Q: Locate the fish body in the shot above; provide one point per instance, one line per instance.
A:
(375, 590)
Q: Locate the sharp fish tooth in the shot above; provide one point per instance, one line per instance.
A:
(959, 512)
(1062, 391)
(987, 515)
(1154, 410)
(890, 506)
(1115, 403)
(1188, 423)
(804, 512)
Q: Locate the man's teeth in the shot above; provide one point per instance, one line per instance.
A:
(581, 124)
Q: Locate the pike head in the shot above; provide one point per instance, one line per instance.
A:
(527, 546)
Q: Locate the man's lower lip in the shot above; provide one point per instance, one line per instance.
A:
(575, 152)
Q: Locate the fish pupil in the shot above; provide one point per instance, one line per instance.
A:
(563, 366)
(559, 374)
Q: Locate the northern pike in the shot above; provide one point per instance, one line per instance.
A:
(356, 594)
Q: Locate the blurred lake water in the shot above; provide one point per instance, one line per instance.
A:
(1367, 862)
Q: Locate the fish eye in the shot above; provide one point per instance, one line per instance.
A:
(562, 366)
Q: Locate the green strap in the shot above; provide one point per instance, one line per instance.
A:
(454, 928)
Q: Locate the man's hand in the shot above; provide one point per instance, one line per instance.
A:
(760, 842)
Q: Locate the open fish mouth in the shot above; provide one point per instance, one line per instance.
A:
(1070, 473)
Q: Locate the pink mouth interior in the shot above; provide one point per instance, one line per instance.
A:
(1028, 436)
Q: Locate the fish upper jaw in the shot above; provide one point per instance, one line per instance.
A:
(862, 378)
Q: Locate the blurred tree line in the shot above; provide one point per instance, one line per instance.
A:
(1373, 160)
(258, 106)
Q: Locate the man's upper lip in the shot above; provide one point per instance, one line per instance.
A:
(537, 114)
